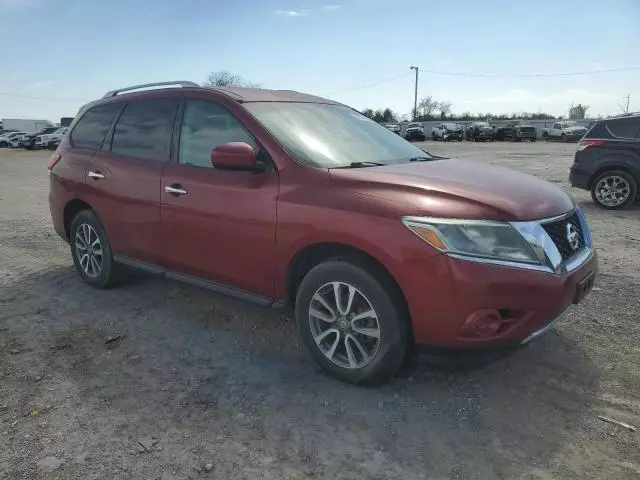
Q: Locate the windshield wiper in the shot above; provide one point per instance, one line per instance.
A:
(421, 159)
(362, 165)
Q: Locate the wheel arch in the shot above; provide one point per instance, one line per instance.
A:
(314, 254)
(615, 165)
(71, 209)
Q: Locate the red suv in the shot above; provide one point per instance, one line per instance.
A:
(283, 198)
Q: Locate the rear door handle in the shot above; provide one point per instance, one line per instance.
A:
(175, 190)
(95, 175)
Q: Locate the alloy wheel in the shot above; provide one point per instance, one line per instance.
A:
(613, 191)
(344, 325)
(88, 250)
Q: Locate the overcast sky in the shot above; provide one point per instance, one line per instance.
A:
(67, 52)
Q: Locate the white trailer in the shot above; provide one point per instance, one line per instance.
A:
(25, 125)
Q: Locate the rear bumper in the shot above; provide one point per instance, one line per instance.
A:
(528, 302)
(579, 178)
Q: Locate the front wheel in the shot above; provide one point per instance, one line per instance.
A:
(614, 190)
(351, 323)
(91, 251)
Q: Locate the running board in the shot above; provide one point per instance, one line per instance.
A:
(199, 282)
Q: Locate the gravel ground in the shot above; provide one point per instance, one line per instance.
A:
(201, 386)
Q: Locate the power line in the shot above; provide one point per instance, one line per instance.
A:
(362, 87)
(529, 75)
(56, 99)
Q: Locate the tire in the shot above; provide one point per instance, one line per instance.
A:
(533, 139)
(4, 145)
(609, 178)
(384, 354)
(85, 227)
(563, 138)
(433, 137)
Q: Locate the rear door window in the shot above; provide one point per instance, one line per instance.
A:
(628, 127)
(144, 129)
(90, 130)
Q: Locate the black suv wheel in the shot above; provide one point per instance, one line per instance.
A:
(614, 189)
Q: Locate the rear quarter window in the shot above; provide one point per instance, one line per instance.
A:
(91, 129)
(628, 127)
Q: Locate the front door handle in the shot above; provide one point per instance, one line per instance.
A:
(175, 190)
(95, 175)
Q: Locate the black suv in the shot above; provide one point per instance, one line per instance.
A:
(608, 161)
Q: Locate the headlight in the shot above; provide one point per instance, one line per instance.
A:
(475, 238)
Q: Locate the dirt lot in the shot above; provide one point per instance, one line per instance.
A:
(203, 386)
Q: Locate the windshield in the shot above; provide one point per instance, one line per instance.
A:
(482, 125)
(332, 136)
(570, 124)
(414, 125)
(451, 126)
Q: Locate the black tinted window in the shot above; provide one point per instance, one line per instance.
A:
(625, 127)
(90, 130)
(144, 129)
(206, 125)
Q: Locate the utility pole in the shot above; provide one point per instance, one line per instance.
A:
(415, 95)
(625, 105)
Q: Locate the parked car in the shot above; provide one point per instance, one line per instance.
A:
(10, 139)
(479, 132)
(516, 131)
(607, 162)
(53, 144)
(564, 131)
(415, 131)
(29, 140)
(374, 244)
(42, 141)
(447, 131)
(393, 127)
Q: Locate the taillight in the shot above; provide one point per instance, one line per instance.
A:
(583, 144)
(55, 158)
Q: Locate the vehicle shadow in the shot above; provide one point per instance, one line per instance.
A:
(201, 371)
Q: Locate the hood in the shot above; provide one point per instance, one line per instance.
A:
(455, 188)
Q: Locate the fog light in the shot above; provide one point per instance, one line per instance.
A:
(483, 324)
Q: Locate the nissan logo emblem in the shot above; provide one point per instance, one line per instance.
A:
(573, 237)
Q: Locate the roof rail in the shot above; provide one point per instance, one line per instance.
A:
(181, 83)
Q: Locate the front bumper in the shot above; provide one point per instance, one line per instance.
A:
(528, 301)
(414, 134)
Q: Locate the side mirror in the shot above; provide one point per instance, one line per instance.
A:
(234, 156)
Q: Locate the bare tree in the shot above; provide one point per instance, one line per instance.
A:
(227, 79)
(367, 112)
(427, 106)
(578, 112)
(444, 108)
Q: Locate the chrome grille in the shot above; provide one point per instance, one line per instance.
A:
(557, 230)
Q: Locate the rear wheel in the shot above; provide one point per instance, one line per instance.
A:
(351, 323)
(4, 144)
(91, 252)
(614, 189)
